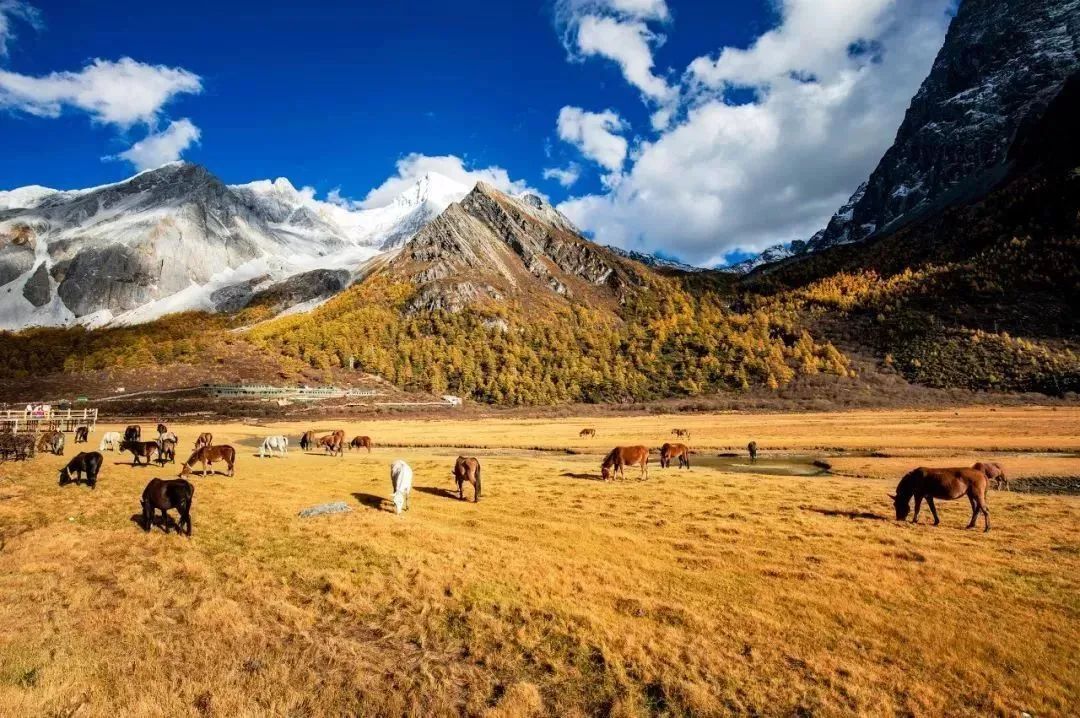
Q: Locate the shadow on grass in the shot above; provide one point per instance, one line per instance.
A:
(158, 522)
(437, 491)
(577, 475)
(846, 514)
(370, 500)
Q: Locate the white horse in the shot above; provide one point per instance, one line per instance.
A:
(110, 441)
(274, 443)
(401, 481)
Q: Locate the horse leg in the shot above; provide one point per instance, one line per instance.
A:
(460, 490)
(974, 511)
(148, 516)
(918, 505)
(933, 509)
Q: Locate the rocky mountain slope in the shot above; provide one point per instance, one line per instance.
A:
(490, 247)
(1002, 63)
(177, 238)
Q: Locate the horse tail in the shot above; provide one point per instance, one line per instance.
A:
(477, 495)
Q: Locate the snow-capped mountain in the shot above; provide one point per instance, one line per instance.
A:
(177, 238)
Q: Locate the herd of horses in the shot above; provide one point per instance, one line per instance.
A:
(921, 484)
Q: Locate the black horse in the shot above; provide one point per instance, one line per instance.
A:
(88, 463)
(82, 434)
(162, 494)
(133, 433)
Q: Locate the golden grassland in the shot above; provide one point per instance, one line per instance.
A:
(694, 593)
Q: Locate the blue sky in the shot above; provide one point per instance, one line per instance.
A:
(640, 99)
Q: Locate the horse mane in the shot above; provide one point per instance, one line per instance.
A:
(906, 488)
(611, 458)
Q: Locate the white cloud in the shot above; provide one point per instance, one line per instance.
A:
(775, 169)
(566, 176)
(618, 30)
(160, 148)
(413, 167)
(10, 11)
(122, 93)
(594, 133)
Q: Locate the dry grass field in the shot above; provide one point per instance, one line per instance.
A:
(698, 592)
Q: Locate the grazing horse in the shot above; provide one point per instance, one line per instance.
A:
(110, 441)
(82, 434)
(53, 442)
(334, 443)
(133, 433)
(359, 442)
(668, 451)
(467, 469)
(751, 449)
(205, 439)
(84, 463)
(623, 456)
(307, 441)
(401, 482)
(682, 433)
(166, 451)
(143, 449)
(165, 494)
(586, 432)
(942, 484)
(271, 444)
(994, 472)
(207, 455)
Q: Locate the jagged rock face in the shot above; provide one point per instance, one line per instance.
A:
(491, 246)
(15, 260)
(1002, 63)
(38, 289)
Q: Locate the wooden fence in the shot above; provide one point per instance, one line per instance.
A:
(22, 422)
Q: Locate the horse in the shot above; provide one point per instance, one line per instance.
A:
(307, 441)
(401, 481)
(165, 494)
(166, 451)
(133, 433)
(683, 433)
(467, 469)
(668, 451)
(144, 449)
(586, 432)
(161, 429)
(360, 441)
(994, 472)
(751, 449)
(622, 456)
(334, 443)
(110, 441)
(945, 484)
(53, 442)
(83, 463)
(207, 455)
(274, 443)
(82, 434)
(205, 439)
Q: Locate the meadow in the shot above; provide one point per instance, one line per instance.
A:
(720, 590)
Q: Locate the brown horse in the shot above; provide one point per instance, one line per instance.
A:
(207, 455)
(82, 434)
(164, 494)
(167, 452)
(751, 449)
(994, 472)
(942, 484)
(682, 433)
(53, 442)
(668, 451)
(360, 442)
(133, 433)
(623, 456)
(145, 450)
(162, 429)
(307, 441)
(587, 432)
(205, 439)
(467, 469)
(334, 443)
